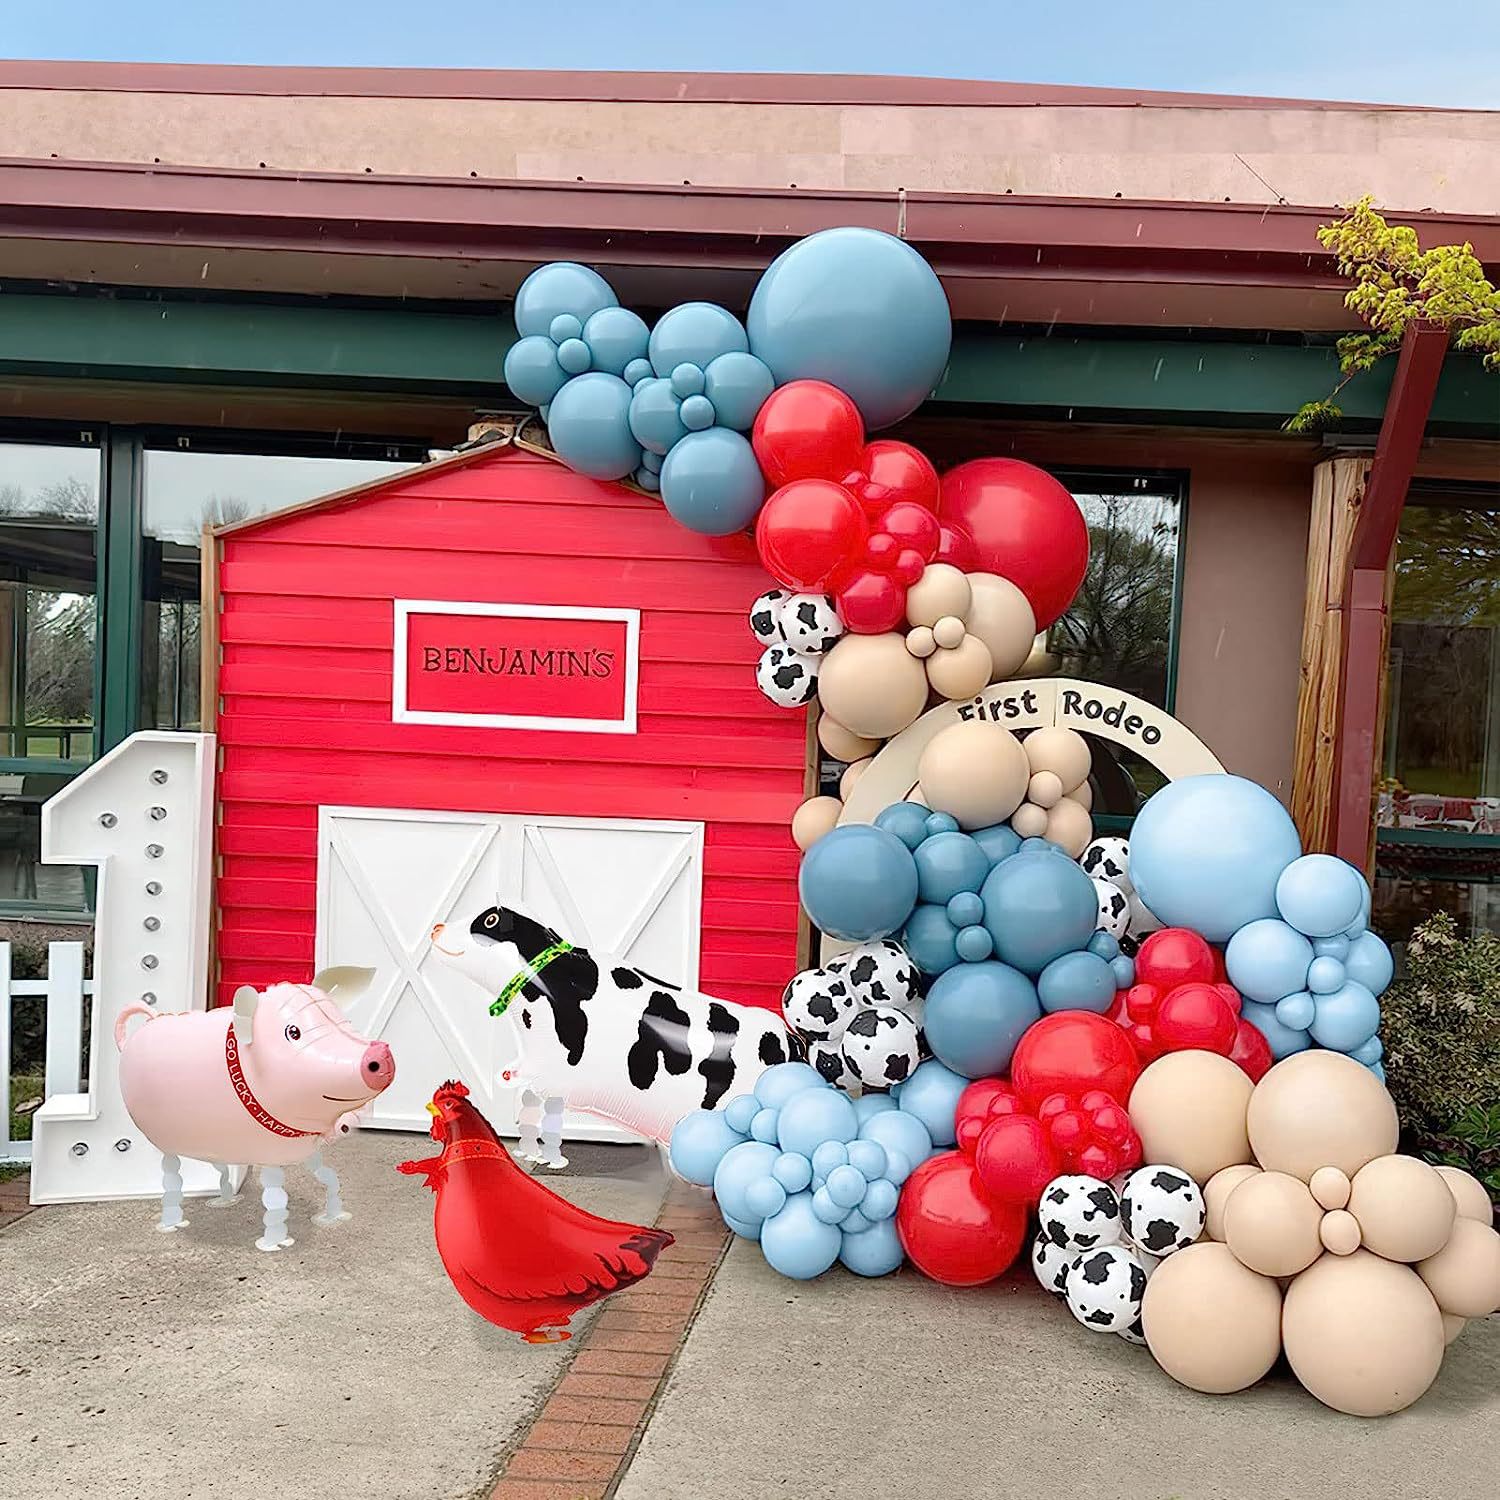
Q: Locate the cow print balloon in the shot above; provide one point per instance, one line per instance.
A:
(809, 623)
(1114, 908)
(1136, 1333)
(828, 1058)
(881, 1046)
(1050, 1263)
(1109, 859)
(1104, 1288)
(765, 617)
(1079, 1213)
(788, 678)
(1161, 1210)
(818, 1005)
(879, 973)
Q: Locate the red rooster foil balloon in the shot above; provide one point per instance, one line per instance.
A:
(520, 1255)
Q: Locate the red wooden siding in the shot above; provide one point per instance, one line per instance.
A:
(304, 718)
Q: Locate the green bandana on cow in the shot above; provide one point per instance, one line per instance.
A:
(518, 982)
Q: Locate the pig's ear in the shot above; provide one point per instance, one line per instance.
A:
(343, 983)
(246, 998)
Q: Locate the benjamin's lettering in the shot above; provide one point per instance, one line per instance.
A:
(1076, 706)
(515, 661)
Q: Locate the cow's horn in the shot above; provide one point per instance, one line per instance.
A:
(246, 998)
(343, 983)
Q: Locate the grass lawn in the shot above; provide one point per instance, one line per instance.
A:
(23, 1088)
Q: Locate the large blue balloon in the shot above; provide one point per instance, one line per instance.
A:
(615, 337)
(815, 1116)
(797, 1242)
(739, 1167)
(859, 309)
(560, 287)
(700, 1141)
(1267, 959)
(948, 863)
(875, 1251)
(1206, 853)
(1282, 1040)
(711, 483)
(1345, 1019)
(737, 385)
(589, 424)
(1038, 905)
(532, 371)
(912, 1133)
(858, 882)
(931, 939)
(975, 1015)
(1077, 981)
(1369, 963)
(695, 333)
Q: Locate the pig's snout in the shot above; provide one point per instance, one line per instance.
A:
(377, 1067)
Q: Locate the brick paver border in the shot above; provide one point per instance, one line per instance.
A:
(15, 1199)
(580, 1443)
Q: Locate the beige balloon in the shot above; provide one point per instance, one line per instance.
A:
(1321, 1109)
(949, 632)
(813, 819)
(1000, 616)
(1470, 1193)
(852, 772)
(1339, 1231)
(975, 771)
(1216, 1193)
(1030, 821)
(1083, 795)
(1212, 1324)
(961, 671)
(1189, 1111)
(841, 743)
(941, 590)
(1362, 1333)
(1330, 1187)
(873, 685)
(1065, 752)
(1069, 825)
(1452, 1327)
(1045, 789)
(1464, 1276)
(921, 641)
(1404, 1208)
(1271, 1223)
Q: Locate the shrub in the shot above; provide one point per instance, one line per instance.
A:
(1442, 1047)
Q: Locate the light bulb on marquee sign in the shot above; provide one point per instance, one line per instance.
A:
(144, 815)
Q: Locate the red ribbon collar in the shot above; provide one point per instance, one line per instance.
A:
(253, 1107)
(468, 1150)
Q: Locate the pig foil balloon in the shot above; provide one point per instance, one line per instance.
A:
(264, 1084)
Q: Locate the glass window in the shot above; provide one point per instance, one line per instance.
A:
(183, 492)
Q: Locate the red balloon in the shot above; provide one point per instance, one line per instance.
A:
(1025, 526)
(808, 430)
(870, 603)
(806, 530)
(956, 548)
(1173, 956)
(897, 471)
(951, 1230)
(1072, 1052)
(912, 526)
(1015, 1159)
(976, 1100)
(1251, 1051)
(1196, 1017)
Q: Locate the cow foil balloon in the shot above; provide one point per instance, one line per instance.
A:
(263, 1084)
(592, 1032)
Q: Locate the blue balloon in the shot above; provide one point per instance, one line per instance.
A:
(687, 380)
(974, 944)
(931, 940)
(1077, 981)
(573, 355)
(711, 482)
(1332, 947)
(846, 1186)
(854, 1222)
(911, 1135)
(1106, 945)
(1123, 968)
(697, 413)
(532, 371)
(875, 1251)
(940, 822)
(656, 416)
(699, 1142)
(741, 1166)
(565, 328)
(1369, 1053)
(975, 1015)
(1206, 853)
(859, 882)
(867, 1157)
(907, 820)
(765, 1197)
(1325, 975)
(695, 333)
(999, 841)
(648, 479)
(1320, 894)
(814, 1116)
(737, 384)
(880, 1199)
(561, 286)
(616, 337)
(1038, 907)
(1369, 963)
(948, 865)
(741, 1110)
(829, 1155)
(1266, 959)
(1282, 1040)
(764, 1127)
(782, 1080)
(825, 1205)
(965, 909)
(859, 309)
(588, 422)
(637, 371)
(797, 1243)
(872, 1104)
(748, 1229)
(1296, 1011)
(1378, 1070)
(1345, 1019)
(793, 1172)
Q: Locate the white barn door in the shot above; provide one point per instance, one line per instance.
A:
(386, 876)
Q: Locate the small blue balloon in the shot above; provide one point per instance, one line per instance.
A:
(1346, 1018)
(637, 371)
(738, 385)
(697, 413)
(1369, 963)
(908, 1134)
(940, 822)
(1369, 1052)
(765, 1197)
(687, 380)
(740, 1167)
(748, 1229)
(1206, 853)
(858, 882)
(561, 286)
(1332, 947)
(998, 842)
(532, 371)
(854, 1222)
(782, 1080)
(974, 944)
(880, 1200)
(1296, 1011)
(829, 1155)
(573, 355)
(1123, 968)
(1378, 1070)
(814, 1116)
(648, 479)
(907, 820)
(1320, 894)
(588, 422)
(797, 1243)
(699, 1142)
(1282, 1040)
(695, 333)
(846, 1186)
(948, 865)
(711, 482)
(975, 1015)
(793, 1172)
(741, 1110)
(1325, 975)
(1038, 907)
(875, 1251)
(763, 1126)
(655, 420)
(1267, 959)
(617, 339)
(564, 327)
(825, 1206)
(1106, 945)
(898, 1166)
(931, 940)
(1076, 981)
(652, 461)
(873, 1104)
(868, 1157)
(1037, 846)
(964, 909)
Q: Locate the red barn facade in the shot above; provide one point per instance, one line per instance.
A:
(491, 678)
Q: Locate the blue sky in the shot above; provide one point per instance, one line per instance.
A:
(1378, 50)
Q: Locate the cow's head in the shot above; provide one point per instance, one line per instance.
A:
(494, 946)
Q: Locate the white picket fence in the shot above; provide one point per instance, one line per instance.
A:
(63, 994)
